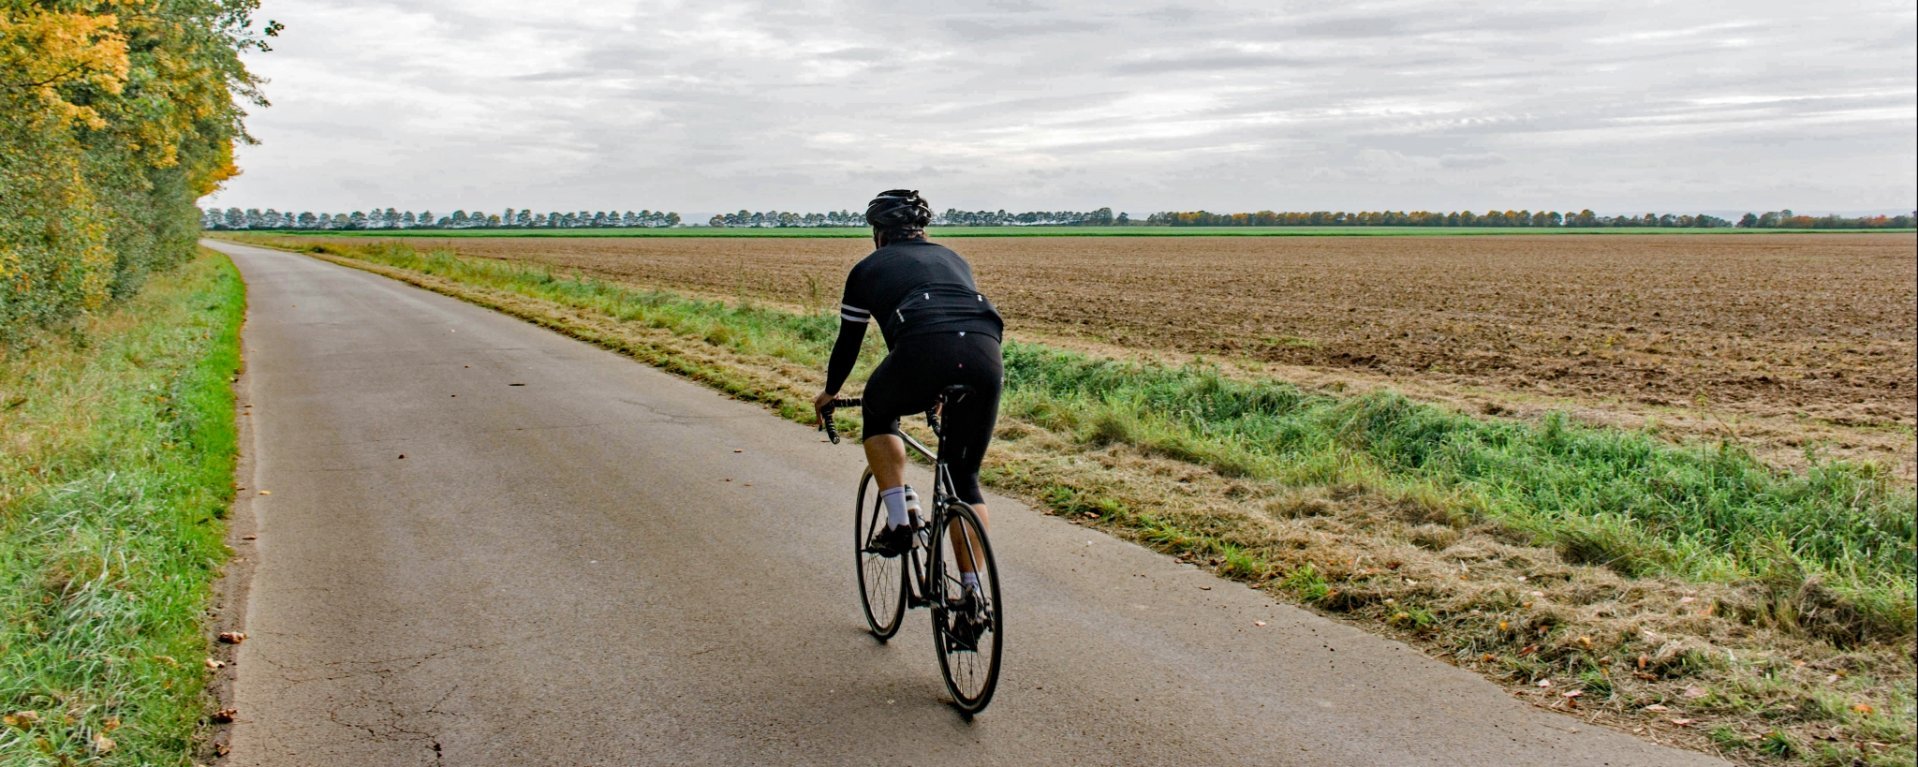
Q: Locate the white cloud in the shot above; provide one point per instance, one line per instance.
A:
(704, 106)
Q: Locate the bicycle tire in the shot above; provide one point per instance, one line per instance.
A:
(971, 674)
(882, 580)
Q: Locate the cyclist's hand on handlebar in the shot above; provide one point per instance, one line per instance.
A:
(820, 405)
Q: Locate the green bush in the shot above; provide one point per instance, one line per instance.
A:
(115, 117)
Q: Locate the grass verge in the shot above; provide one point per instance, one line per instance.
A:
(1688, 593)
(116, 473)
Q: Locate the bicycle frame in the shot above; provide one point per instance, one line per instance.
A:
(942, 478)
(920, 562)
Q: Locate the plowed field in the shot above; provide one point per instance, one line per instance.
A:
(1817, 329)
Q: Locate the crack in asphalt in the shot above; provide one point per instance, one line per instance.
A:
(384, 668)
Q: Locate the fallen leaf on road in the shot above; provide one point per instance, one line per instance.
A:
(1544, 682)
(737, 450)
(1258, 623)
(266, 492)
(225, 715)
(232, 637)
(1205, 588)
(214, 664)
(1683, 722)
(1573, 693)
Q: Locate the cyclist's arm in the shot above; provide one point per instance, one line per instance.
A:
(845, 350)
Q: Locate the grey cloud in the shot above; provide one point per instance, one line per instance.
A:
(1236, 104)
(1485, 160)
(866, 54)
(999, 28)
(1212, 62)
(556, 76)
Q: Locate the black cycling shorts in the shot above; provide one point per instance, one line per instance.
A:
(909, 380)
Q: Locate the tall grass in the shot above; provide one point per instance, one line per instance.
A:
(1633, 502)
(116, 472)
(1630, 501)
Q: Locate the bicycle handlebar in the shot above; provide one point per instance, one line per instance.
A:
(825, 422)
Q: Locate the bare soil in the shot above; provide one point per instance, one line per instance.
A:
(1793, 343)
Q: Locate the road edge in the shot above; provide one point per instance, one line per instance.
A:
(228, 607)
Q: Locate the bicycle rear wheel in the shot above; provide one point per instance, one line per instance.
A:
(969, 635)
(882, 581)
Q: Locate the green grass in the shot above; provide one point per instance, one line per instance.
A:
(1625, 500)
(116, 474)
(1065, 231)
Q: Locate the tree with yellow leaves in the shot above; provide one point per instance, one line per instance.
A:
(115, 117)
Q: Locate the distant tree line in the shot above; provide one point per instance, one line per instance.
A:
(390, 218)
(1494, 218)
(254, 218)
(1784, 219)
(951, 217)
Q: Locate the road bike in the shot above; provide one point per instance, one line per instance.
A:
(968, 630)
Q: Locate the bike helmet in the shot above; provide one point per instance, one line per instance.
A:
(898, 209)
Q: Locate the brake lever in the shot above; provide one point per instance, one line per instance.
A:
(826, 423)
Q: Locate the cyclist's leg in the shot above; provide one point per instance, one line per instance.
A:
(889, 394)
(975, 362)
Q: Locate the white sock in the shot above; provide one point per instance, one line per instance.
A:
(912, 504)
(969, 580)
(895, 499)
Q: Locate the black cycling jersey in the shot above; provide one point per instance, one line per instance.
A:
(912, 287)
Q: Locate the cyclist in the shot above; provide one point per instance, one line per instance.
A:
(940, 331)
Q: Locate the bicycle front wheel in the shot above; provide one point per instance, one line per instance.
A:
(968, 624)
(882, 580)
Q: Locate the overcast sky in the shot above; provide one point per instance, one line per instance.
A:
(706, 106)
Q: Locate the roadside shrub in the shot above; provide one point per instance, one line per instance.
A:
(114, 120)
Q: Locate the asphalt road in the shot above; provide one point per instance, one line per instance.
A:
(483, 543)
